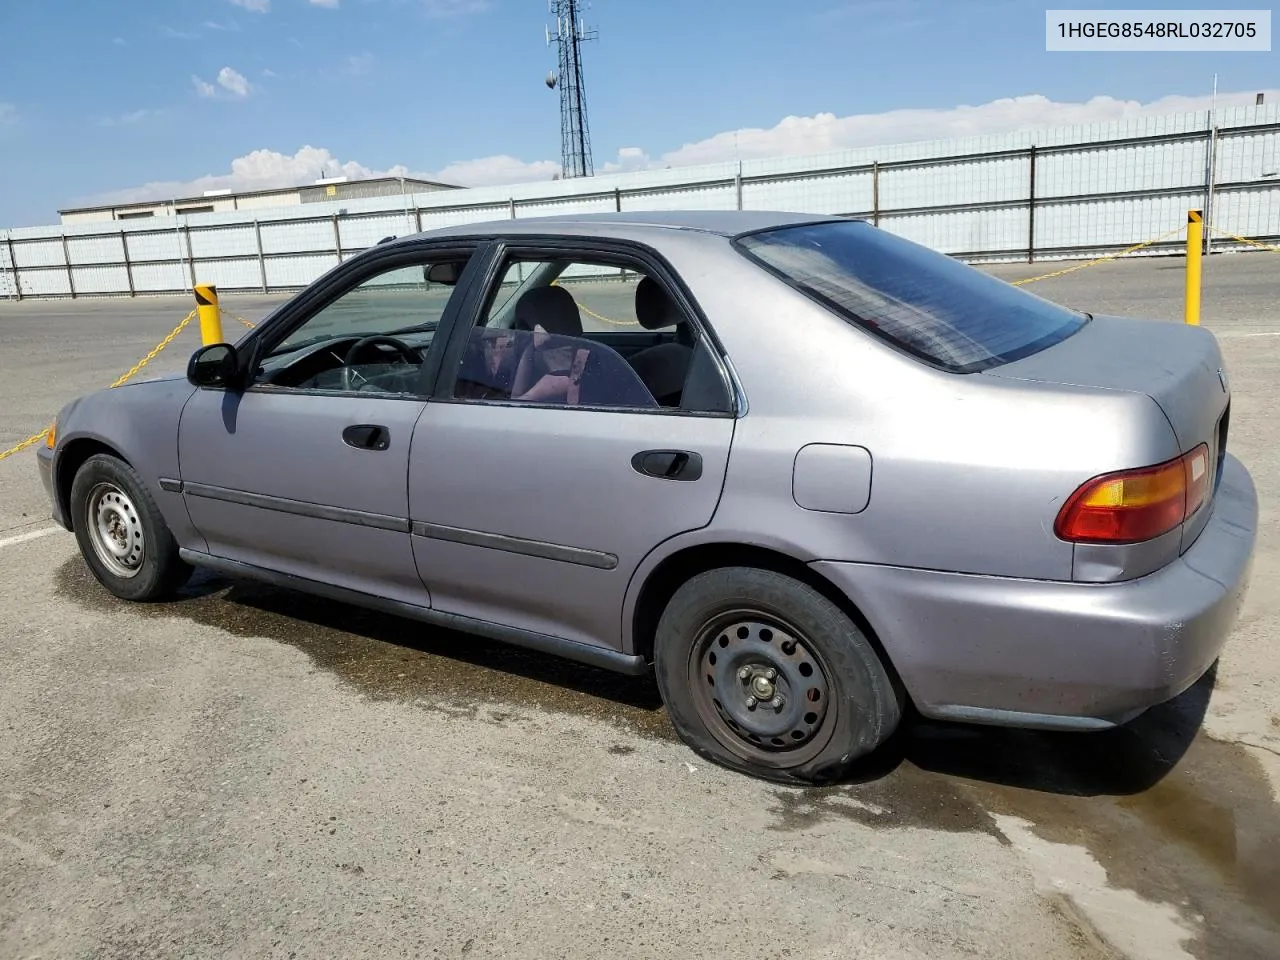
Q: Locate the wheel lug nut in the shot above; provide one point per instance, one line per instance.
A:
(744, 673)
(751, 703)
(775, 702)
(770, 673)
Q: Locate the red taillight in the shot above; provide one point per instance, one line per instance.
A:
(1130, 506)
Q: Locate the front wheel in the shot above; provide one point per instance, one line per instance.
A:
(764, 675)
(121, 532)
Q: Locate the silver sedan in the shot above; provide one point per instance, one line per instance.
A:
(809, 474)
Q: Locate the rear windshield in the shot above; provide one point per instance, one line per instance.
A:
(925, 302)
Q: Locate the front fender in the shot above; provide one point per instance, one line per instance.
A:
(139, 422)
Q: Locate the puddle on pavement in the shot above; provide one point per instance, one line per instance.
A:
(392, 658)
(1167, 812)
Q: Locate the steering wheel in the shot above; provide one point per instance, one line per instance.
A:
(407, 354)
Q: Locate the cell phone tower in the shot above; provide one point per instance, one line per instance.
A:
(575, 136)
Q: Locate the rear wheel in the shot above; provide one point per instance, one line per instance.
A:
(764, 675)
(121, 532)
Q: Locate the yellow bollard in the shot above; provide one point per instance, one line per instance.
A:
(210, 315)
(1195, 240)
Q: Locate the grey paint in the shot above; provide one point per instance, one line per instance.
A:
(1096, 651)
(1107, 563)
(138, 420)
(1177, 366)
(558, 477)
(953, 559)
(278, 444)
(832, 478)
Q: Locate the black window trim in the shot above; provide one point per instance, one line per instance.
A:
(590, 249)
(862, 324)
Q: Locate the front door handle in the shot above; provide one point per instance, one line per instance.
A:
(367, 436)
(668, 464)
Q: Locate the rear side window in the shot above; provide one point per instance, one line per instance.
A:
(925, 302)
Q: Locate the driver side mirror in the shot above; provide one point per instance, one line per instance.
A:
(214, 365)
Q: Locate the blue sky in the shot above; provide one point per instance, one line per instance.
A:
(158, 97)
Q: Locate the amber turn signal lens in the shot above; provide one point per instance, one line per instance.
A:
(51, 437)
(1131, 506)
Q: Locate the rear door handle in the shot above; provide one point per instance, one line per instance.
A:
(668, 464)
(367, 436)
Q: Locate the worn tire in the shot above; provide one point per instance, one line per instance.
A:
(159, 569)
(864, 702)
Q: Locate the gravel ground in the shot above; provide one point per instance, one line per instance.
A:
(250, 773)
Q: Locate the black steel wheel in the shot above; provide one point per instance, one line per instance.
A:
(121, 532)
(763, 674)
(761, 687)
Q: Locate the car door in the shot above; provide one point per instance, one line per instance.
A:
(305, 471)
(534, 513)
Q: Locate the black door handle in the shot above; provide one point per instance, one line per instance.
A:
(367, 436)
(668, 464)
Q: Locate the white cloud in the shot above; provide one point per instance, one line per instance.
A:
(267, 169)
(488, 171)
(264, 169)
(825, 131)
(328, 4)
(118, 41)
(233, 82)
(254, 6)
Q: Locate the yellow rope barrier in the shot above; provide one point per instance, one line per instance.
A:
(1095, 262)
(1252, 243)
(154, 352)
(591, 313)
(24, 444)
(617, 323)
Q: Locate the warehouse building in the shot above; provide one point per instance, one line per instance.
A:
(219, 201)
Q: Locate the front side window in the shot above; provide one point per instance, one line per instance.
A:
(372, 338)
(925, 302)
(400, 300)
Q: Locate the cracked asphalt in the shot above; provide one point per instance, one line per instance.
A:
(246, 772)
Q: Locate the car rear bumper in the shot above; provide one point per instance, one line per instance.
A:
(1062, 655)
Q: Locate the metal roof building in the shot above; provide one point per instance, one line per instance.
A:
(219, 201)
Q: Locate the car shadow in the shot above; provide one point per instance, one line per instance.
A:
(362, 645)
(1125, 760)
(394, 658)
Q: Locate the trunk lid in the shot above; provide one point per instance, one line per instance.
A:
(1178, 366)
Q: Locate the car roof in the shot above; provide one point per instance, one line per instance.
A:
(724, 223)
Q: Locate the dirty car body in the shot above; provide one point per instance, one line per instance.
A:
(822, 473)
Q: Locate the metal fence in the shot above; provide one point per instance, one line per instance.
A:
(1033, 195)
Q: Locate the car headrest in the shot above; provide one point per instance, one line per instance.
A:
(654, 309)
(552, 307)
